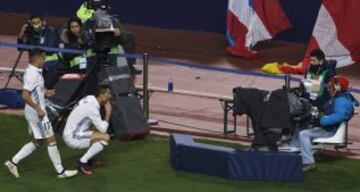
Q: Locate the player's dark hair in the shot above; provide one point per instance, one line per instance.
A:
(35, 53)
(101, 89)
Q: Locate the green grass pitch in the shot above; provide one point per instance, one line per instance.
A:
(143, 165)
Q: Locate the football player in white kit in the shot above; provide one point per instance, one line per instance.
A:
(34, 96)
(85, 129)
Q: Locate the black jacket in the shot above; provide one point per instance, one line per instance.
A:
(47, 37)
(70, 42)
(329, 66)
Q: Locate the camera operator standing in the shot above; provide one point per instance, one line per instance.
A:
(124, 39)
(37, 32)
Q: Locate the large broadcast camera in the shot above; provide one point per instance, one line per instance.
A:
(100, 28)
(127, 120)
(97, 4)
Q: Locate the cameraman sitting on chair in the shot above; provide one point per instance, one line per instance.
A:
(37, 32)
(317, 76)
(338, 109)
(30, 33)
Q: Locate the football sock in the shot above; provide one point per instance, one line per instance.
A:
(93, 150)
(25, 151)
(55, 157)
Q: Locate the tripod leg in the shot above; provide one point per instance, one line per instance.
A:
(12, 73)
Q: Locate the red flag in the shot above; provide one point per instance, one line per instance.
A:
(336, 32)
(251, 21)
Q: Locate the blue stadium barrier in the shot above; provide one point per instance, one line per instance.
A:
(167, 61)
(229, 163)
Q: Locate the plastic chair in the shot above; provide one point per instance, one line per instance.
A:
(338, 140)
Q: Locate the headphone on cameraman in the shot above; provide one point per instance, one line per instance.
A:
(337, 85)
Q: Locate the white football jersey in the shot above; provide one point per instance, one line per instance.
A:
(85, 114)
(34, 83)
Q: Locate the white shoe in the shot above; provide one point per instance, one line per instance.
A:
(12, 168)
(67, 174)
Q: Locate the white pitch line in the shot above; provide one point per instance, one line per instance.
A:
(8, 70)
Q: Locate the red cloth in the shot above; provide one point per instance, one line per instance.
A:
(336, 32)
(250, 21)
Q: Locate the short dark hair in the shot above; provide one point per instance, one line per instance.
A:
(101, 89)
(36, 16)
(318, 53)
(34, 53)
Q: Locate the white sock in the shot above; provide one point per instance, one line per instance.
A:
(25, 151)
(93, 150)
(55, 157)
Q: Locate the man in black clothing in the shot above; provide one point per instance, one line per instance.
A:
(37, 32)
(317, 76)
